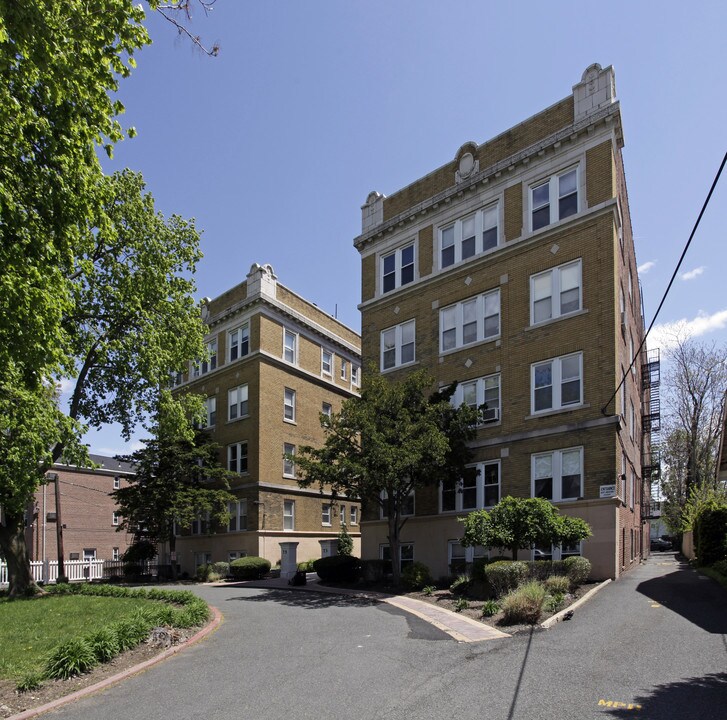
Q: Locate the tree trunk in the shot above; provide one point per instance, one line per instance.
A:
(172, 553)
(394, 547)
(15, 551)
(514, 550)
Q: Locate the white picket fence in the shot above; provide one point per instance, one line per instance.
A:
(76, 570)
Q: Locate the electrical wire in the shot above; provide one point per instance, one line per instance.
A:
(671, 282)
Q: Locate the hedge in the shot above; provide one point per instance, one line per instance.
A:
(249, 568)
(338, 568)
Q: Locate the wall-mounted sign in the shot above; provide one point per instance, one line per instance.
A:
(608, 491)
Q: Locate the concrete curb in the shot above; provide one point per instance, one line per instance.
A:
(203, 633)
(559, 616)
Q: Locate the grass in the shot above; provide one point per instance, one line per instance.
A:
(31, 629)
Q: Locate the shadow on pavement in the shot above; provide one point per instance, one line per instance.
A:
(700, 600)
(701, 698)
(307, 600)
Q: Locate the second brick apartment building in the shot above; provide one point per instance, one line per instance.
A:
(275, 362)
(512, 270)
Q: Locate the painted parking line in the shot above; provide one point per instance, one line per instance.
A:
(619, 704)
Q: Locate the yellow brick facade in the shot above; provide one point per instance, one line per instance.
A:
(571, 155)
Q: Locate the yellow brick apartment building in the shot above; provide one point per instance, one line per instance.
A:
(275, 362)
(512, 270)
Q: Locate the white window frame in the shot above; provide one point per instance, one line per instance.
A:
(554, 197)
(410, 499)
(115, 518)
(210, 407)
(329, 371)
(353, 514)
(344, 369)
(290, 346)
(288, 465)
(400, 272)
(557, 382)
(117, 483)
(458, 318)
(555, 276)
(89, 554)
(632, 489)
(469, 554)
(483, 390)
(289, 405)
(238, 342)
(238, 400)
(327, 409)
(355, 375)
(235, 454)
(238, 515)
(478, 484)
(200, 525)
(632, 419)
(405, 548)
(556, 552)
(115, 553)
(288, 515)
(326, 514)
(342, 514)
(481, 222)
(397, 333)
(556, 473)
(210, 362)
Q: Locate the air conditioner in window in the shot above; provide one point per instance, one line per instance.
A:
(490, 415)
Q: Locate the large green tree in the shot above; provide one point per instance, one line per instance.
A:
(178, 478)
(519, 523)
(393, 439)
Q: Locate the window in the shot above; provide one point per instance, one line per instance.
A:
(115, 553)
(622, 309)
(237, 457)
(89, 553)
(326, 514)
(354, 375)
(290, 346)
(556, 552)
(470, 321)
(469, 236)
(632, 492)
(210, 362)
(632, 419)
(74, 556)
(631, 355)
(200, 525)
(288, 462)
(557, 383)
(406, 554)
(481, 391)
(344, 369)
(342, 514)
(175, 378)
(289, 405)
(238, 342)
(237, 402)
(407, 506)
(117, 483)
(289, 515)
(354, 515)
(555, 199)
(202, 558)
(115, 518)
(558, 475)
(479, 490)
(210, 404)
(555, 292)
(327, 409)
(397, 268)
(397, 345)
(238, 516)
(234, 554)
(459, 558)
(326, 362)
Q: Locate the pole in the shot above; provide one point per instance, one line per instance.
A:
(59, 533)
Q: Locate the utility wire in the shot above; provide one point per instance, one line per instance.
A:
(671, 282)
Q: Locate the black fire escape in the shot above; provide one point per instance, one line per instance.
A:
(651, 428)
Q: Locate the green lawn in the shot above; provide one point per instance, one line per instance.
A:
(30, 629)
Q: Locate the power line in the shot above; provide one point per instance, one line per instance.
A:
(671, 282)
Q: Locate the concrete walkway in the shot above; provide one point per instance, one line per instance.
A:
(459, 627)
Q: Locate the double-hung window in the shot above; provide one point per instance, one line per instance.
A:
(558, 475)
(480, 489)
(556, 552)
(237, 457)
(344, 369)
(470, 321)
(326, 362)
(407, 505)
(289, 405)
(484, 391)
(469, 236)
(115, 518)
(406, 554)
(288, 461)
(290, 346)
(210, 361)
(355, 375)
(210, 405)
(238, 342)
(326, 514)
(289, 515)
(557, 383)
(238, 516)
(397, 268)
(327, 409)
(398, 345)
(555, 292)
(554, 199)
(354, 515)
(237, 403)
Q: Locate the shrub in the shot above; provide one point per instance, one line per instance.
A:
(505, 575)
(525, 604)
(202, 573)
(490, 608)
(249, 568)
(543, 569)
(552, 602)
(139, 551)
(29, 682)
(721, 567)
(578, 569)
(416, 576)
(460, 585)
(344, 546)
(428, 590)
(374, 571)
(70, 658)
(104, 643)
(557, 584)
(461, 604)
(307, 565)
(710, 530)
(220, 568)
(337, 568)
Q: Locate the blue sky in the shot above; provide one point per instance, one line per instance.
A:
(274, 145)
